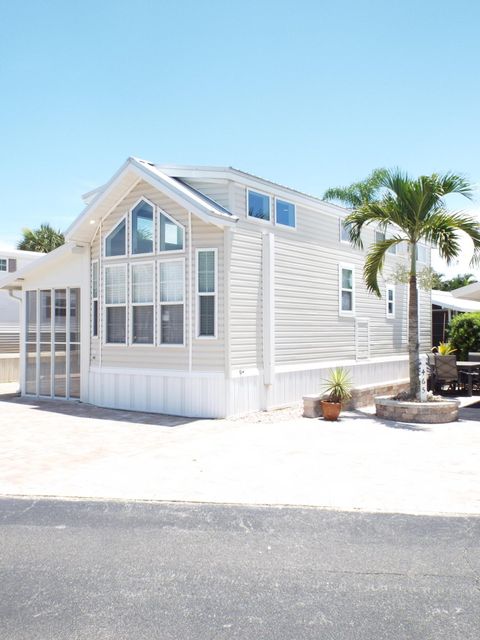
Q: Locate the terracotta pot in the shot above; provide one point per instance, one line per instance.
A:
(331, 410)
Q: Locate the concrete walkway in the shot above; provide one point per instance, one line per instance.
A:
(75, 450)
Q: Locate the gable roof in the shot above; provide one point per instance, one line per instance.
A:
(100, 202)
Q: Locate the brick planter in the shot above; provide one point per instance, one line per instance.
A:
(423, 412)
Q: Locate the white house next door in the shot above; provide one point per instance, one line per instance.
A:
(52, 343)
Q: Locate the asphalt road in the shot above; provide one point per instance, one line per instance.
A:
(83, 570)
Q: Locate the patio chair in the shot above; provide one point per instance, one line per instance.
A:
(430, 371)
(446, 372)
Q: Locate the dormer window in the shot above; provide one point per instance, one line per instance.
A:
(142, 228)
(115, 241)
(171, 234)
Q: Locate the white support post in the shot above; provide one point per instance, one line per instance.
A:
(422, 372)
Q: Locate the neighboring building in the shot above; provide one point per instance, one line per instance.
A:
(446, 305)
(11, 260)
(206, 291)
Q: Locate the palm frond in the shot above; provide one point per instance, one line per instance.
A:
(367, 214)
(374, 263)
(441, 229)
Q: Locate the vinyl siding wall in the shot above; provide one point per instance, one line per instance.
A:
(308, 326)
(206, 355)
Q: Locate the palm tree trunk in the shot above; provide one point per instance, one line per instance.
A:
(413, 342)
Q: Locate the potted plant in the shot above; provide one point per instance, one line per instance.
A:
(337, 386)
(444, 349)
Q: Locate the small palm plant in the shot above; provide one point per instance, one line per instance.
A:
(445, 349)
(337, 386)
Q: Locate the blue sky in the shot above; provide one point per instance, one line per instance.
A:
(310, 94)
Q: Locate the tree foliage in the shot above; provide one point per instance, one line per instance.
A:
(464, 333)
(416, 211)
(44, 239)
(460, 280)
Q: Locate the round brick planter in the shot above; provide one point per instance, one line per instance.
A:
(425, 412)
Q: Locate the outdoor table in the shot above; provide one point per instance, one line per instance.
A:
(468, 366)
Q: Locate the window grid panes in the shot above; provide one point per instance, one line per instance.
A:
(258, 205)
(206, 293)
(142, 228)
(95, 298)
(115, 304)
(171, 234)
(3, 264)
(115, 243)
(390, 301)
(172, 291)
(142, 303)
(346, 290)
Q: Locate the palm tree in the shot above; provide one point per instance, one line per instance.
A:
(44, 239)
(417, 210)
(358, 193)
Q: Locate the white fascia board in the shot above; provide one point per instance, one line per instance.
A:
(254, 182)
(173, 189)
(470, 291)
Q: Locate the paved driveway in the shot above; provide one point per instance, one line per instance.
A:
(74, 450)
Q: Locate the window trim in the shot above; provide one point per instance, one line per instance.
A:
(6, 264)
(123, 304)
(388, 288)
(281, 224)
(178, 345)
(270, 198)
(95, 299)
(340, 228)
(214, 293)
(112, 229)
(132, 304)
(130, 239)
(169, 252)
(350, 267)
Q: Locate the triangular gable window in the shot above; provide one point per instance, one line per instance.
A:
(115, 241)
(142, 228)
(171, 234)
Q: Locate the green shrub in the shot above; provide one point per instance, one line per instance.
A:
(464, 333)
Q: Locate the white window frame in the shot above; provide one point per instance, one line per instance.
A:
(270, 200)
(350, 267)
(392, 250)
(383, 235)
(172, 219)
(390, 287)
(2, 259)
(124, 255)
(95, 299)
(180, 345)
(130, 230)
(213, 293)
(280, 224)
(140, 304)
(340, 229)
(123, 304)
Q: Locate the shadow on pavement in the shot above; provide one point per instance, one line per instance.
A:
(82, 410)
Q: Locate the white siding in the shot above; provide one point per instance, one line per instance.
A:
(206, 355)
(246, 300)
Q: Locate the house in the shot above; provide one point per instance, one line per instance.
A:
(207, 291)
(11, 260)
(446, 305)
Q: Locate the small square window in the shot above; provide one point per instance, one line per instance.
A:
(258, 205)
(285, 213)
(3, 264)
